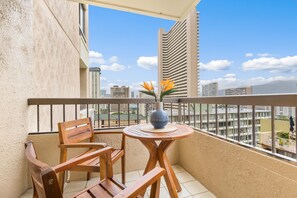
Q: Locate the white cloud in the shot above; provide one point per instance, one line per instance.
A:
(263, 54)
(216, 65)
(249, 54)
(286, 64)
(96, 57)
(113, 67)
(230, 75)
(113, 59)
(148, 62)
(102, 78)
(231, 81)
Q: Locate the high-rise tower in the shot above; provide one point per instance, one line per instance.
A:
(178, 56)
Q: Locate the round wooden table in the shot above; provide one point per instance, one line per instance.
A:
(158, 151)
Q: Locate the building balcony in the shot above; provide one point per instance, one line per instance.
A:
(227, 161)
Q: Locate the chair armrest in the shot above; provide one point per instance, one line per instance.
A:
(143, 183)
(83, 145)
(78, 160)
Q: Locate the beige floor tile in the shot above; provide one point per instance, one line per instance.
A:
(75, 186)
(184, 192)
(92, 182)
(70, 194)
(184, 177)
(205, 195)
(178, 169)
(119, 177)
(164, 193)
(28, 193)
(194, 187)
(132, 176)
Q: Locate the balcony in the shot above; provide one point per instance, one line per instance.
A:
(227, 154)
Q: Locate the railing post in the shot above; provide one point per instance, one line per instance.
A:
(273, 150)
(179, 112)
(38, 126)
(200, 116)
(207, 117)
(296, 132)
(217, 122)
(238, 123)
(254, 141)
(51, 117)
(226, 114)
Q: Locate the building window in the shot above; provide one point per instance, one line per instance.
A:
(82, 19)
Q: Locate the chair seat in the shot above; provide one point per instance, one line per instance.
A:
(93, 165)
(108, 187)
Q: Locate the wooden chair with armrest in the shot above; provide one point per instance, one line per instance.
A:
(74, 134)
(46, 184)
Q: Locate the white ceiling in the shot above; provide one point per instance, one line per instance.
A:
(167, 9)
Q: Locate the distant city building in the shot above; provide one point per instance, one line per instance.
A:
(94, 78)
(238, 91)
(132, 94)
(178, 56)
(246, 122)
(210, 89)
(103, 93)
(119, 92)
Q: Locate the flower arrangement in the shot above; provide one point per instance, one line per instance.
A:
(167, 87)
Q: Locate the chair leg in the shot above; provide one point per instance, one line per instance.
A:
(123, 169)
(155, 190)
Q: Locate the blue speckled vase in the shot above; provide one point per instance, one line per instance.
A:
(159, 117)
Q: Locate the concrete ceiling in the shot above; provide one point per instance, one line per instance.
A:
(167, 9)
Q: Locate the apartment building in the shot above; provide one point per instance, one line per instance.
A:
(231, 126)
(94, 80)
(239, 91)
(210, 89)
(119, 92)
(178, 56)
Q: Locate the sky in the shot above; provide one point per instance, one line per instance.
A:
(241, 43)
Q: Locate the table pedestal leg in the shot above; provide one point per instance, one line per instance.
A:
(158, 153)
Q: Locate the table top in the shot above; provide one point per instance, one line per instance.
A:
(181, 132)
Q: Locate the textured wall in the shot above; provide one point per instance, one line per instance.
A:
(229, 170)
(39, 57)
(15, 65)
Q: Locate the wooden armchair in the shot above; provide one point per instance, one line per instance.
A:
(46, 184)
(74, 134)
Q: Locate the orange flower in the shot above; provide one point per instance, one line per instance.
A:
(147, 86)
(167, 85)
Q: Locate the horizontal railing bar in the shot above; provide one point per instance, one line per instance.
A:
(61, 101)
(289, 100)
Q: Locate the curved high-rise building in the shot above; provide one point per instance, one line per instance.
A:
(178, 56)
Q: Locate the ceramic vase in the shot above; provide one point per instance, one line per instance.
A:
(159, 117)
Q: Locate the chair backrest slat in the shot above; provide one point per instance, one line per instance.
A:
(76, 131)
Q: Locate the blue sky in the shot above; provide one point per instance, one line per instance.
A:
(244, 42)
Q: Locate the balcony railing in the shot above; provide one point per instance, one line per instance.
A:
(233, 118)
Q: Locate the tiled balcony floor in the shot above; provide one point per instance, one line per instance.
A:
(190, 186)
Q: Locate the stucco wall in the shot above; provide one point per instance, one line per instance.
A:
(39, 57)
(229, 170)
(15, 73)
